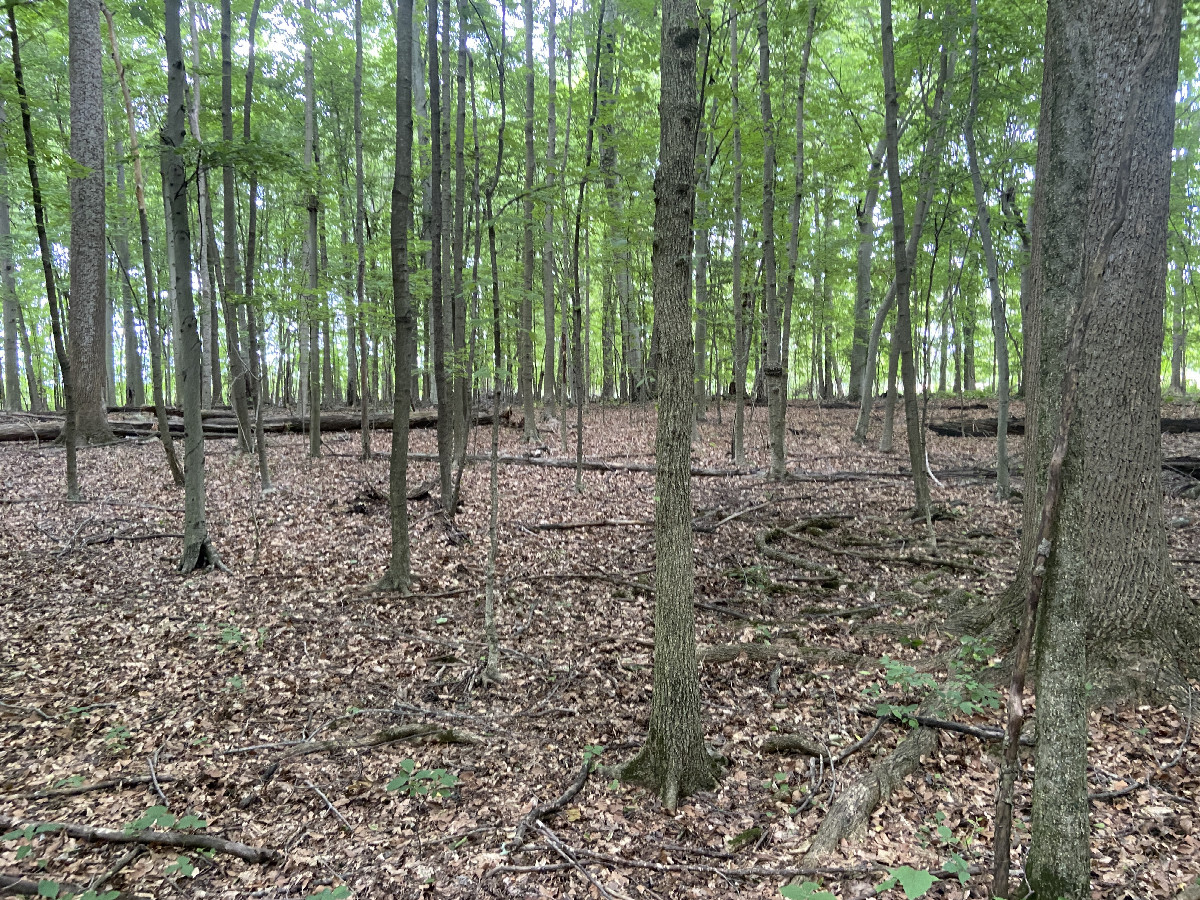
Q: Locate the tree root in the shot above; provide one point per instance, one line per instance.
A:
(824, 576)
(177, 839)
(542, 810)
(853, 807)
(112, 783)
(723, 653)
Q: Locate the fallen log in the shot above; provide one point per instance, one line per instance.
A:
(220, 424)
(178, 839)
(986, 427)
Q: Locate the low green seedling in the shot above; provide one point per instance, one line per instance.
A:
(182, 866)
(161, 817)
(809, 890)
(592, 752)
(53, 890)
(414, 782)
(338, 893)
(914, 882)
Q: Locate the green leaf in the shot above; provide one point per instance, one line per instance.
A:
(810, 890)
(47, 888)
(191, 822)
(915, 882)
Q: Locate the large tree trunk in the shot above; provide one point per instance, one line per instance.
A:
(1100, 227)
(548, 379)
(703, 232)
(360, 253)
(445, 431)
(674, 762)
(772, 358)
(312, 259)
(135, 388)
(210, 358)
(525, 333)
(197, 550)
(89, 328)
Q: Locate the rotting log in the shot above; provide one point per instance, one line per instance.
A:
(986, 427)
(221, 424)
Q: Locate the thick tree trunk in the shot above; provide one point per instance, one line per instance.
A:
(210, 358)
(548, 305)
(674, 762)
(197, 550)
(703, 231)
(89, 328)
(772, 357)
(445, 431)
(1099, 223)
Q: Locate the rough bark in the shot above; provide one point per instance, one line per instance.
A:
(398, 576)
(548, 275)
(772, 337)
(8, 285)
(525, 332)
(135, 388)
(312, 249)
(674, 762)
(89, 327)
(865, 220)
(445, 433)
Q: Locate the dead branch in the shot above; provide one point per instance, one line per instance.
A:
(25, 887)
(592, 523)
(860, 744)
(763, 540)
(723, 653)
(115, 784)
(918, 559)
(542, 810)
(988, 735)
(177, 839)
(590, 465)
(333, 809)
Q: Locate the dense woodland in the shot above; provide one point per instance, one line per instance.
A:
(603, 450)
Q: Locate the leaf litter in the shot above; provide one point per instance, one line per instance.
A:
(113, 667)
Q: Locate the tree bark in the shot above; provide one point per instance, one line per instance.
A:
(525, 333)
(89, 328)
(360, 253)
(772, 327)
(548, 275)
(903, 331)
(741, 345)
(313, 302)
(135, 388)
(398, 576)
(197, 549)
(8, 286)
(674, 762)
(210, 358)
(865, 220)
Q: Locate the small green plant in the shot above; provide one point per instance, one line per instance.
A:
(236, 683)
(182, 866)
(53, 890)
(161, 817)
(962, 690)
(778, 786)
(592, 752)
(338, 893)
(415, 782)
(809, 890)
(231, 637)
(25, 836)
(117, 737)
(914, 882)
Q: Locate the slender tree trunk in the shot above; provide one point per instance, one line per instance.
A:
(865, 220)
(198, 552)
(999, 326)
(210, 358)
(916, 438)
(89, 328)
(462, 367)
(702, 253)
(139, 189)
(39, 218)
(398, 576)
(674, 762)
(525, 334)
(313, 303)
(8, 286)
(135, 389)
(773, 361)
(233, 268)
(445, 426)
(360, 267)
(548, 305)
(33, 377)
(741, 344)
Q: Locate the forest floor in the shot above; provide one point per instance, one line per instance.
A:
(113, 666)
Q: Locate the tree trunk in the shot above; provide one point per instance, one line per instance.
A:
(703, 231)
(8, 286)
(233, 268)
(135, 389)
(398, 576)
(865, 220)
(999, 321)
(741, 345)
(210, 359)
(89, 328)
(39, 217)
(674, 762)
(197, 550)
(462, 365)
(903, 331)
(1100, 216)
(772, 358)
(445, 430)
(525, 333)
(360, 262)
(312, 260)
(548, 379)
(139, 189)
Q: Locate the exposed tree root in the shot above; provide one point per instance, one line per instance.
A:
(825, 576)
(723, 653)
(853, 807)
(177, 839)
(542, 810)
(112, 783)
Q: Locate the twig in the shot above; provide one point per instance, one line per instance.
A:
(28, 709)
(859, 744)
(562, 851)
(76, 790)
(543, 810)
(333, 809)
(128, 857)
(592, 523)
(154, 778)
(178, 839)
(990, 735)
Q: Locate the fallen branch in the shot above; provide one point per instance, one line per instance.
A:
(919, 559)
(723, 653)
(25, 887)
(763, 539)
(542, 810)
(988, 735)
(115, 784)
(589, 465)
(177, 839)
(592, 523)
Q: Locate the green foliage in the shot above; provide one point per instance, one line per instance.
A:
(182, 866)
(161, 817)
(915, 882)
(809, 890)
(414, 782)
(338, 893)
(962, 690)
(592, 752)
(117, 737)
(53, 890)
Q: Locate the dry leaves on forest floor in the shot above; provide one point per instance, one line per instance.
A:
(110, 662)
